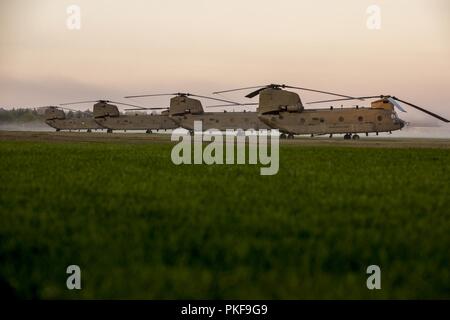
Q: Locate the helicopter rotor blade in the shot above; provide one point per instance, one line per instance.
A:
(232, 105)
(238, 89)
(396, 104)
(155, 95)
(69, 109)
(210, 98)
(255, 93)
(345, 99)
(147, 108)
(181, 94)
(125, 104)
(80, 102)
(422, 109)
(56, 107)
(44, 107)
(319, 91)
(275, 86)
(258, 91)
(105, 101)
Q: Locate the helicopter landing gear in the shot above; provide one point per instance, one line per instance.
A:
(290, 136)
(355, 137)
(347, 136)
(283, 136)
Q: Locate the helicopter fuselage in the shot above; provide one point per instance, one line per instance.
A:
(221, 120)
(137, 122)
(73, 124)
(334, 121)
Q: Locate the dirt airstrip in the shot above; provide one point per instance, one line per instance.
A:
(103, 137)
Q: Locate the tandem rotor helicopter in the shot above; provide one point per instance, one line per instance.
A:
(107, 115)
(55, 117)
(277, 108)
(282, 109)
(184, 110)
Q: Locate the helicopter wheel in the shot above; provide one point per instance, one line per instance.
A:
(283, 136)
(355, 137)
(348, 136)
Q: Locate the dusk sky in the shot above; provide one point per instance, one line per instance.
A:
(141, 46)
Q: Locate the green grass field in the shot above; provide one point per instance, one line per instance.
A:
(141, 227)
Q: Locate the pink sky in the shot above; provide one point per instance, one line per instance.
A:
(138, 46)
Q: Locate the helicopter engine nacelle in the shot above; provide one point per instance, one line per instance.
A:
(275, 100)
(103, 109)
(52, 113)
(182, 104)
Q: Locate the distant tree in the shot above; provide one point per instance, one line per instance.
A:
(19, 115)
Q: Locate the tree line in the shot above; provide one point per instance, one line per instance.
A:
(22, 115)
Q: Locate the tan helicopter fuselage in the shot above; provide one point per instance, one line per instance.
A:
(334, 121)
(138, 122)
(284, 110)
(108, 116)
(185, 111)
(221, 121)
(56, 119)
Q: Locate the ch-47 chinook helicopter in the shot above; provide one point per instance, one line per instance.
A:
(107, 115)
(285, 111)
(184, 110)
(56, 118)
